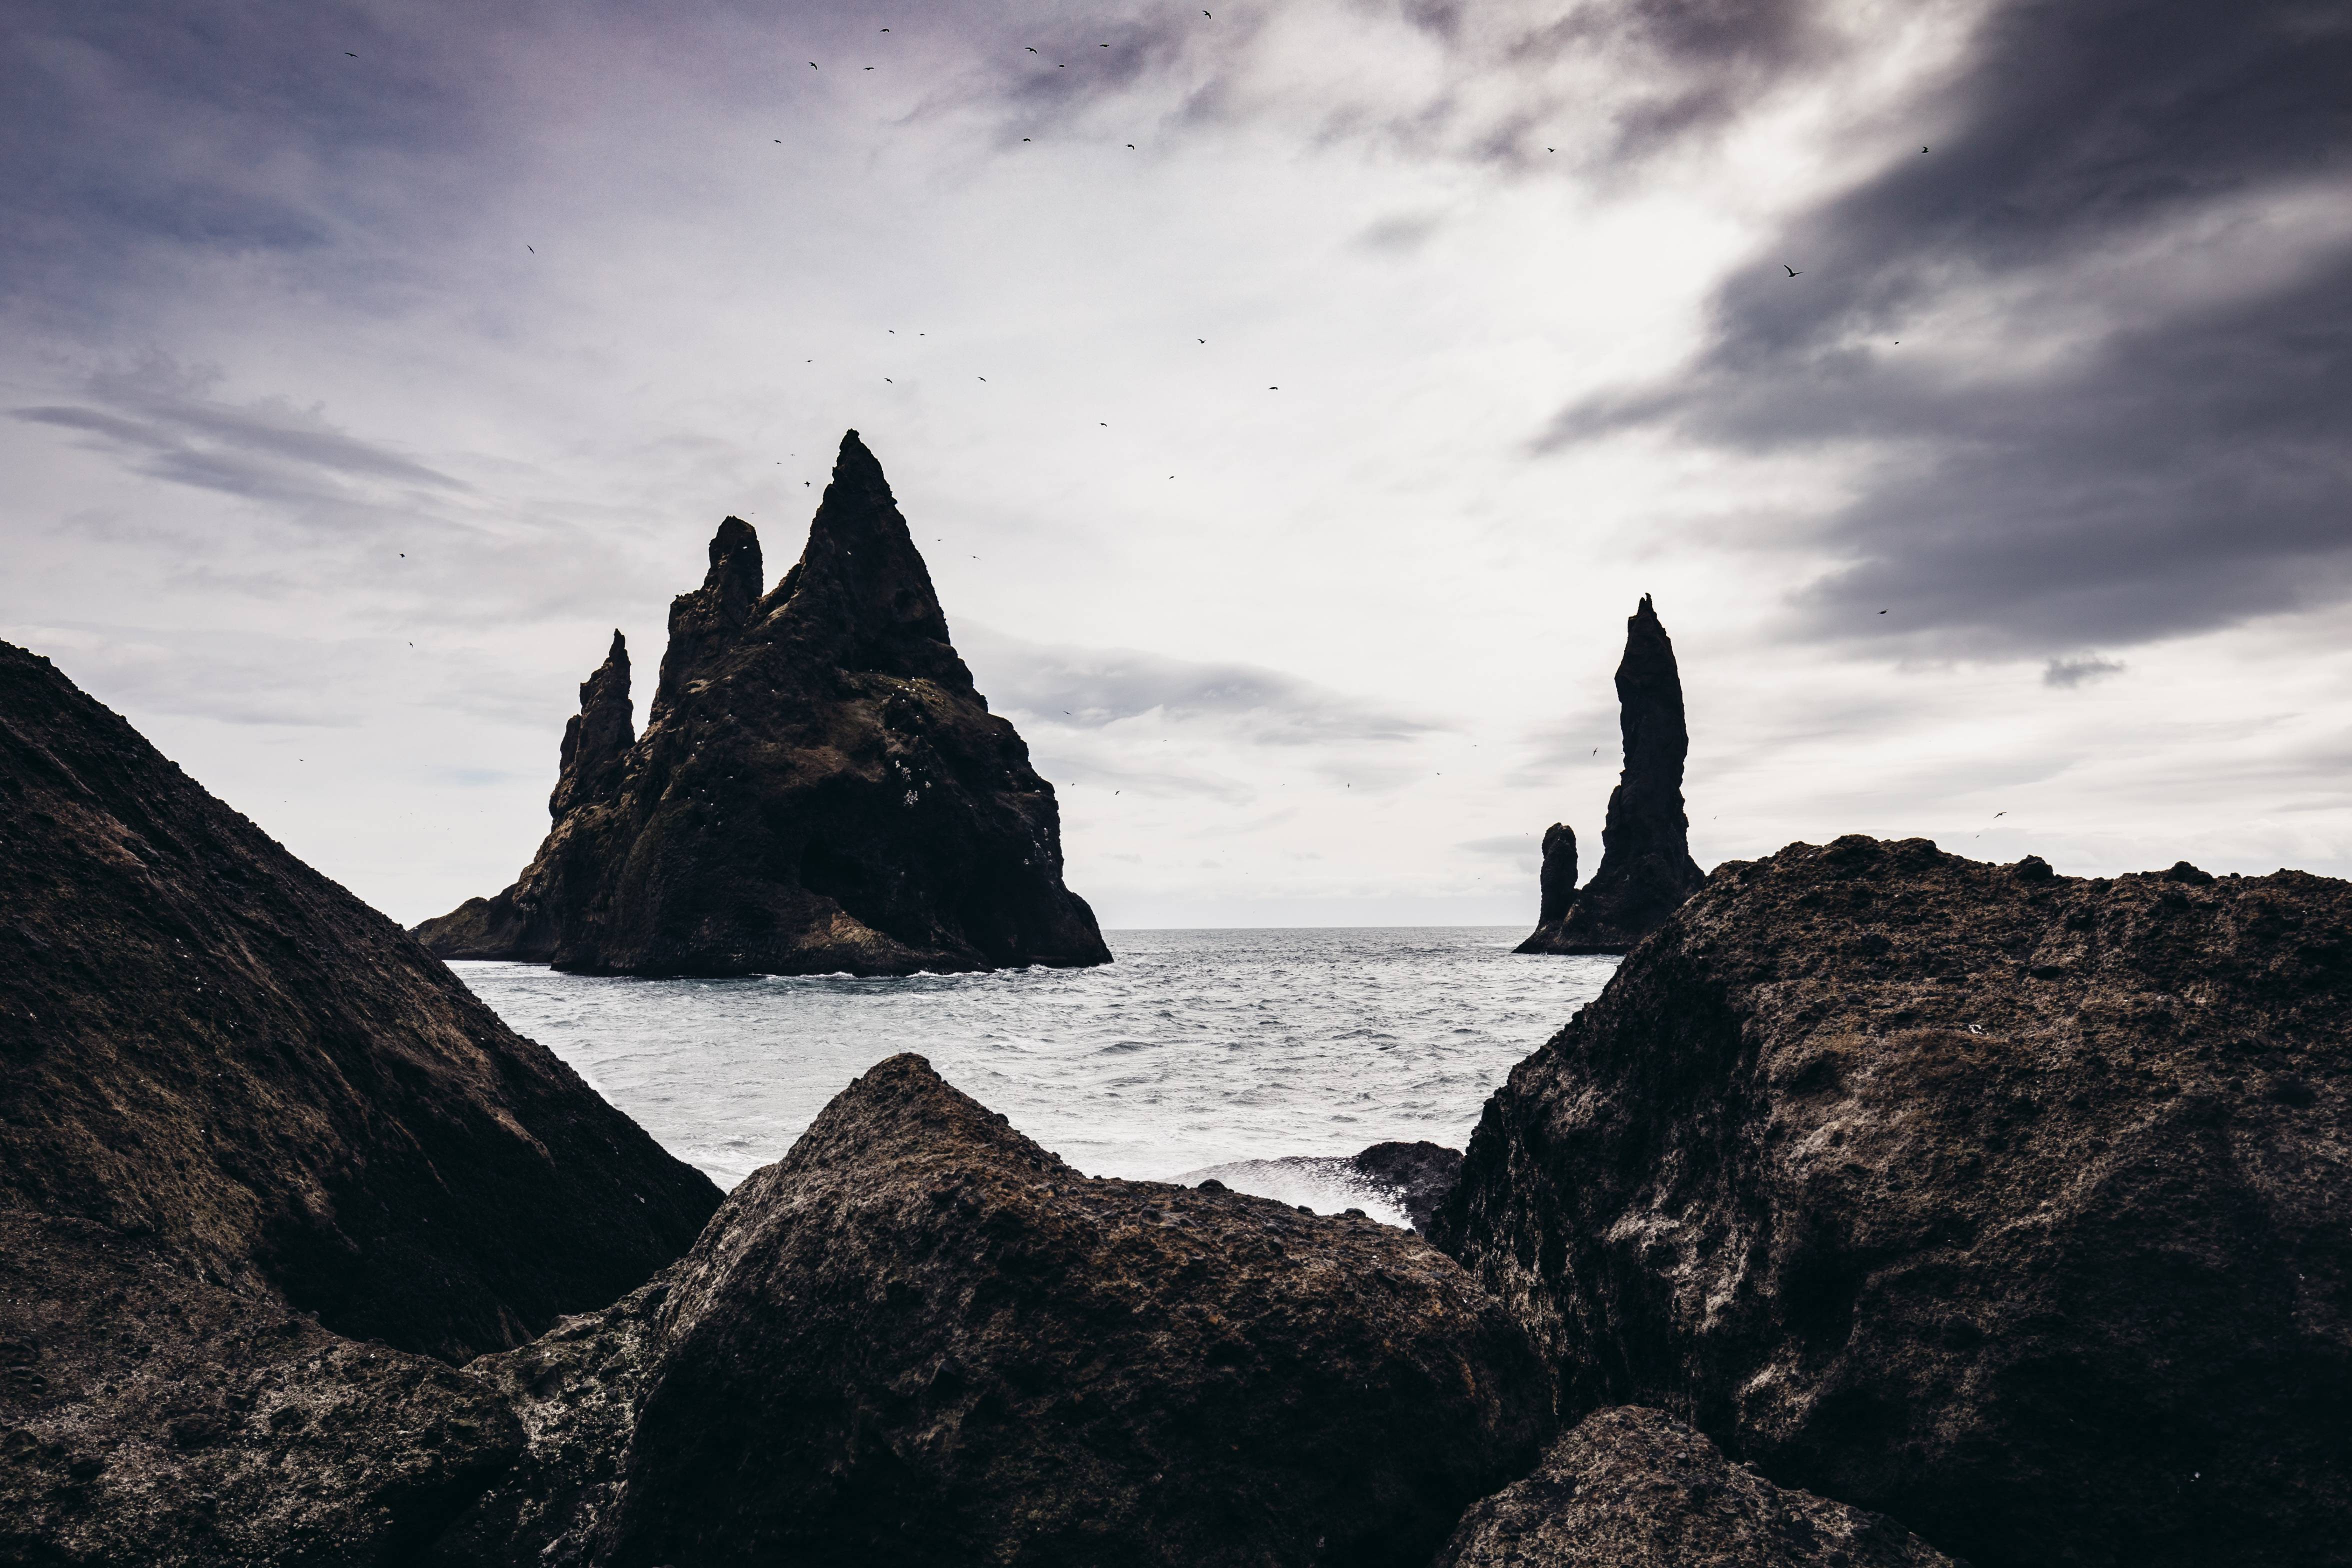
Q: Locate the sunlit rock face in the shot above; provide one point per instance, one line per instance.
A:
(819, 787)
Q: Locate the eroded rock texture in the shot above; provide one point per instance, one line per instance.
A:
(1631, 1488)
(921, 1338)
(1417, 1177)
(1646, 868)
(819, 787)
(237, 1105)
(2009, 1204)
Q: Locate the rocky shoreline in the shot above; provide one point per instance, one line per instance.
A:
(1880, 1192)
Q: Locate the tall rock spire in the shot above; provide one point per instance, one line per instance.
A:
(707, 620)
(598, 736)
(819, 787)
(1646, 869)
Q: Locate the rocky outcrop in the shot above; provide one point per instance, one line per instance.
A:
(1415, 1176)
(921, 1338)
(149, 1418)
(260, 1154)
(1631, 1488)
(1646, 868)
(2007, 1204)
(819, 787)
(575, 1390)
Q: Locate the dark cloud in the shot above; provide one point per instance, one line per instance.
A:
(157, 424)
(1674, 69)
(2136, 220)
(2072, 672)
(1089, 688)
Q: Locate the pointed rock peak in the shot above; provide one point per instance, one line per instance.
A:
(596, 737)
(861, 593)
(734, 568)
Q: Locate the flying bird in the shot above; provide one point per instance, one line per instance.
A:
(1923, 148)
(1130, 146)
(1996, 812)
(1032, 49)
(811, 65)
(1791, 270)
(533, 252)
(348, 56)
(1882, 612)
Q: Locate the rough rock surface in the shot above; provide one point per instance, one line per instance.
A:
(1646, 868)
(575, 1389)
(921, 1338)
(237, 1105)
(204, 1040)
(1631, 1488)
(2010, 1205)
(819, 786)
(1417, 1176)
(149, 1418)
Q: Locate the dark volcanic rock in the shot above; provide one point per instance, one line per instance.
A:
(1646, 869)
(1416, 1176)
(148, 1418)
(921, 1338)
(2010, 1204)
(1630, 1488)
(1557, 882)
(576, 1390)
(231, 1094)
(819, 787)
(208, 1042)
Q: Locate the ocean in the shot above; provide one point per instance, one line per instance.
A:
(1256, 1051)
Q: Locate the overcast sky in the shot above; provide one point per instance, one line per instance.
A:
(1293, 402)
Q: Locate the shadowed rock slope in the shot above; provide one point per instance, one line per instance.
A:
(2007, 1204)
(921, 1338)
(1630, 1488)
(236, 1104)
(819, 786)
(1646, 863)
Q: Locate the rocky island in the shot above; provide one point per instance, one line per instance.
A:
(819, 788)
(1646, 862)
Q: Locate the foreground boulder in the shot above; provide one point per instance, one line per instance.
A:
(149, 1418)
(1646, 868)
(246, 1124)
(2006, 1203)
(921, 1338)
(819, 787)
(1630, 1488)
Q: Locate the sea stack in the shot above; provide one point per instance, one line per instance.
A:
(1646, 869)
(819, 787)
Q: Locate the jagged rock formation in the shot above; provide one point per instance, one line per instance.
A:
(1556, 883)
(2007, 1204)
(1631, 1488)
(235, 1105)
(1417, 1177)
(921, 1338)
(1646, 868)
(819, 787)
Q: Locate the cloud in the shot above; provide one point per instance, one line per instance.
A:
(2120, 407)
(2074, 672)
(1093, 688)
(268, 450)
(1514, 84)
